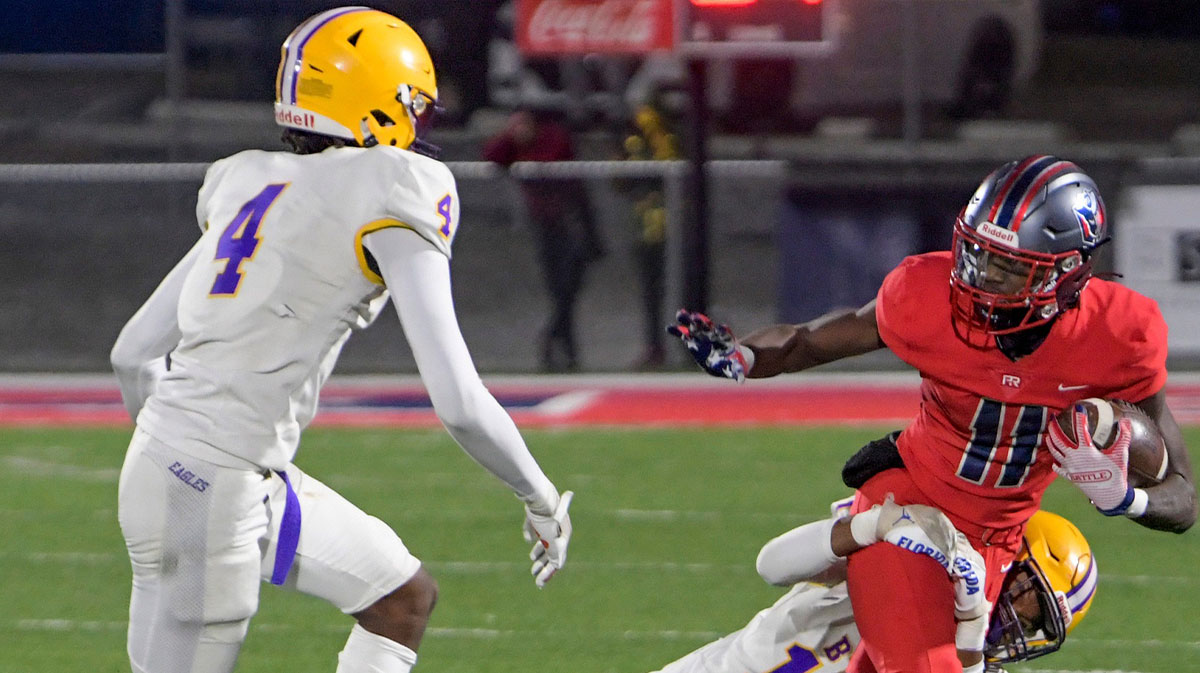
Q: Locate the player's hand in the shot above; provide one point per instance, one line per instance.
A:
(712, 346)
(917, 528)
(1099, 473)
(550, 534)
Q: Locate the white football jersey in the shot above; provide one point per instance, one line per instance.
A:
(281, 280)
(811, 627)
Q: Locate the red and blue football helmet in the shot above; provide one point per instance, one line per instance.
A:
(1023, 247)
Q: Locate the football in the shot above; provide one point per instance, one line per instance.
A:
(1147, 452)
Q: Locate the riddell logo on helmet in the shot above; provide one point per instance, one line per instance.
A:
(998, 234)
(291, 118)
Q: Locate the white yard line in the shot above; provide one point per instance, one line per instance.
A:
(34, 467)
(463, 567)
(476, 633)
(63, 625)
(1071, 670)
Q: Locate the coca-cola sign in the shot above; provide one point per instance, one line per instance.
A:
(585, 26)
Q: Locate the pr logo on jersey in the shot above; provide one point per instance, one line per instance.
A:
(1010, 381)
(1088, 213)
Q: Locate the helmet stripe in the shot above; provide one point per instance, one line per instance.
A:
(1008, 204)
(288, 73)
(1008, 183)
(1081, 594)
(1052, 172)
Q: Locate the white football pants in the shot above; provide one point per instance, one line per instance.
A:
(202, 536)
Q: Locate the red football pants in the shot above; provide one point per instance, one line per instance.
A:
(904, 602)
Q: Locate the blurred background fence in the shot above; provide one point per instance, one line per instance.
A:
(85, 244)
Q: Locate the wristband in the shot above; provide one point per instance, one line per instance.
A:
(1141, 500)
(971, 634)
(976, 667)
(748, 357)
(863, 525)
(1126, 503)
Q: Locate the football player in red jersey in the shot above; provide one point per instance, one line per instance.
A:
(1007, 328)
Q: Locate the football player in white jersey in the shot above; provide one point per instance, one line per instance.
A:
(222, 366)
(1046, 594)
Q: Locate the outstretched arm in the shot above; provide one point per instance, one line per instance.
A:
(780, 348)
(418, 277)
(813, 550)
(791, 348)
(1171, 505)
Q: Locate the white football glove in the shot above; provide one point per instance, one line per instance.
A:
(918, 528)
(1100, 474)
(550, 535)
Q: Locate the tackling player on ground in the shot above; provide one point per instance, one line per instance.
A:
(223, 364)
(1046, 595)
(1006, 329)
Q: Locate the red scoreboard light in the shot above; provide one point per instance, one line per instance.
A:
(755, 27)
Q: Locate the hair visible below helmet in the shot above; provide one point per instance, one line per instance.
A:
(357, 75)
(1047, 592)
(1023, 247)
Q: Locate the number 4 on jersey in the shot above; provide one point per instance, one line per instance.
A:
(240, 239)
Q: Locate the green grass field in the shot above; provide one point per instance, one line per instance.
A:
(668, 523)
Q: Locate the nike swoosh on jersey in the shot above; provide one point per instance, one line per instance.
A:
(1005, 568)
(1066, 388)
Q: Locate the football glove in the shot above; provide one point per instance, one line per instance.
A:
(918, 528)
(713, 346)
(549, 535)
(1099, 473)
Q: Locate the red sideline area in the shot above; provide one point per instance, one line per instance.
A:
(553, 401)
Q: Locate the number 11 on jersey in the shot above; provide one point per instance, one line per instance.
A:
(240, 239)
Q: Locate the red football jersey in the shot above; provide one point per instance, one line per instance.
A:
(977, 445)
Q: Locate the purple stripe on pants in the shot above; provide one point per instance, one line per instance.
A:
(289, 534)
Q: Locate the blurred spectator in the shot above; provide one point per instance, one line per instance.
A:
(651, 138)
(563, 223)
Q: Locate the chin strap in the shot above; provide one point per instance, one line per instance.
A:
(1019, 344)
(1069, 288)
(426, 149)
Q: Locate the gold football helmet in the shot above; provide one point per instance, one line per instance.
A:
(1046, 593)
(357, 74)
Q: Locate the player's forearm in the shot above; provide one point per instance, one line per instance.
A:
(138, 355)
(1171, 506)
(800, 554)
(487, 433)
(137, 382)
(418, 277)
(791, 348)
